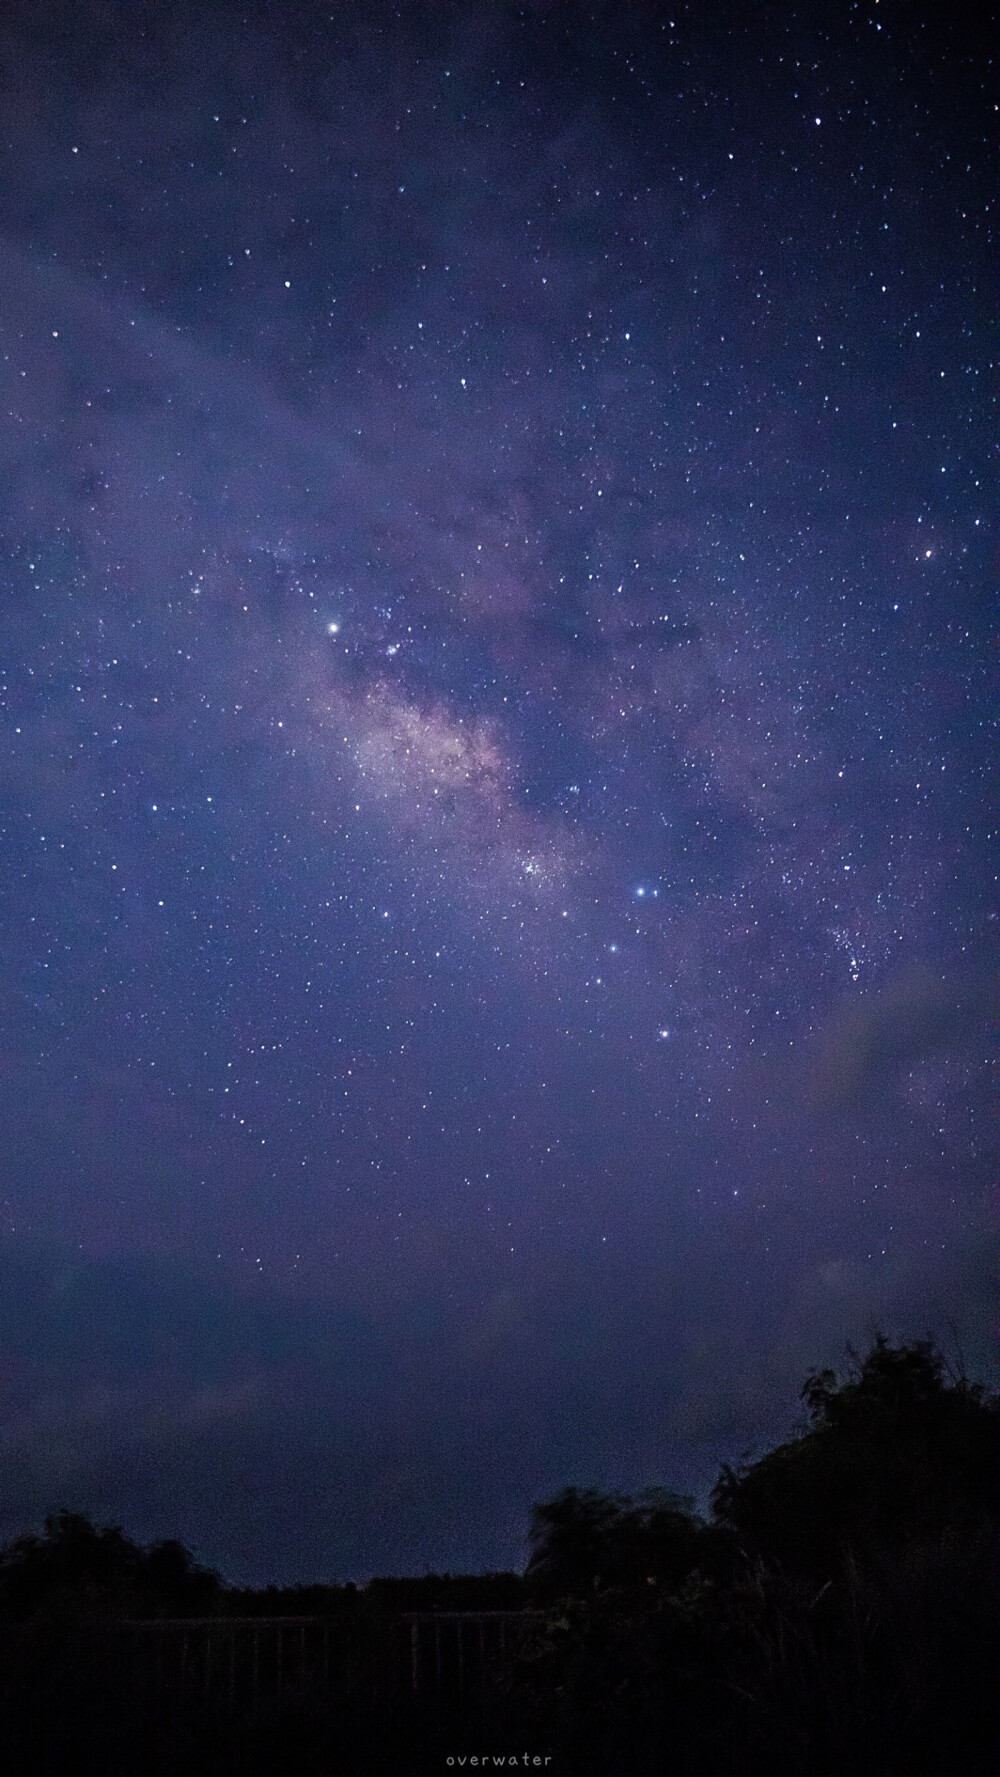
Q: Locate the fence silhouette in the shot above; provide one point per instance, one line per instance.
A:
(421, 1676)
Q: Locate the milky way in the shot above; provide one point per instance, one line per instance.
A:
(495, 625)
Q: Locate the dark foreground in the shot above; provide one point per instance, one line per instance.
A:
(837, 1616)
(238, 1697)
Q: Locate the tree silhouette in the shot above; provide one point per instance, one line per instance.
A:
(77, 1569)
(583, 1540)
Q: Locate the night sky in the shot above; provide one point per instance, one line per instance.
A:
(496, 625)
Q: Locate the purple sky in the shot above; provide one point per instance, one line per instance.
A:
(498, 907)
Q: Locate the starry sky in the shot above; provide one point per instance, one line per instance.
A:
(499, 919)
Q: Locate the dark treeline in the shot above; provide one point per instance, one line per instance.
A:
(75, 1571)
(837, 1611)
